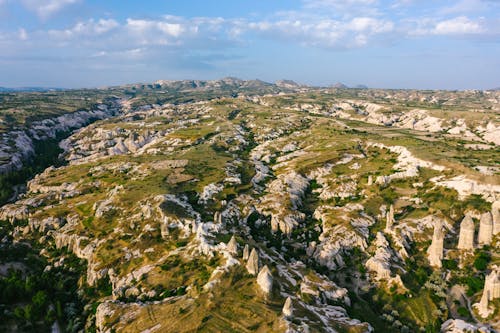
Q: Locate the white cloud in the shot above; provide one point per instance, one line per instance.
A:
(23, 35)
(149, 26)
(46, 8)
(458, 26)
(89, 28)
(338, 3)
(325, 33)
(371, 25)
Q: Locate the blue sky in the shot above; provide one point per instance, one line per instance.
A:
(423, 44)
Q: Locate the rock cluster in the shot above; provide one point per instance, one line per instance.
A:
(380, 262)
(460, 326)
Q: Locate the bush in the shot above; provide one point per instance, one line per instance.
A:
(463, 311)
(474, 284)
(482, 260)
(450, 264)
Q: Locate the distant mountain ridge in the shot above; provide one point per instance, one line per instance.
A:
(29, 89)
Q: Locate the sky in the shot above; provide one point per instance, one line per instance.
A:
(421, 44)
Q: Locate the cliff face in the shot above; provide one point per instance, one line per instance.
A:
(17, 146)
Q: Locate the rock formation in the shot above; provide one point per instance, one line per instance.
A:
(232, 246)
(460, 326)
(485, 229)
(466, 238)
(495, 212)
(218, 218)
(253, 262)
(246, 252)
(288, 308)
(390, 219)
(491, 291)
(435, 251)
(380, 262)
(265, 280)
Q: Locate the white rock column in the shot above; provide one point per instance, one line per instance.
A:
(232, 246)
(491, 291)
(288, 308)
(253, 262)
(495, 212)
(389, 219)
(466, 237)
(485, 229)
(265, 280)
(435, 251)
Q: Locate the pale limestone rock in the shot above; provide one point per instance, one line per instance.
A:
(435, 251)
(485, 229)
(389, 219)
(246, 252)
(380, 262)
(460, 326)
(491, 291)
(265, 280)
(103, 313)
(370, 180)
(288, 308)
(232, 246)
(495, 212)
(466, 238)
(218, 218)
(253, 262)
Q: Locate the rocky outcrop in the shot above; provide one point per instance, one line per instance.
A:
(495, 213)
(485, 234)
(343, 228)
(265, 280)
(491, 291)
(465, 187)
(460, 326)
(283, 200)
(232, 246)
(389, 219)
(246, 252)
(103, 313)
(466, 237)
(435, 250)
(23, 139)
(253, 262)
(407, 166)
(380, 262)
(287, 308)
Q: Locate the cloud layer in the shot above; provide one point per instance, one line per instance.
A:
(205, 42)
